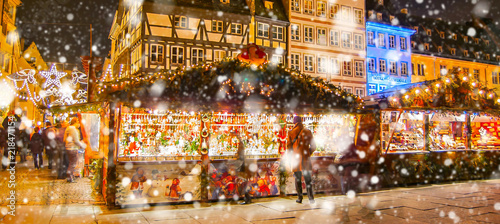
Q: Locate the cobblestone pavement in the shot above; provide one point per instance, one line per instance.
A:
(40, 187)
(465, 202)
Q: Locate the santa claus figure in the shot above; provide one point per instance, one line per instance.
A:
(253, 55)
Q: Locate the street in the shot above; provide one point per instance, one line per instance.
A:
(55, 201)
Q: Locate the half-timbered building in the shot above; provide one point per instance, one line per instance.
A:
(168, 34)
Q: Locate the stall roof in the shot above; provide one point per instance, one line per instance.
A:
(457, 90)
(232, 86)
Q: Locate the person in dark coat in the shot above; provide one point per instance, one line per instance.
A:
(23, 144)
(49, 142)
(7, 121)
(36, 145)
(301, 146)
(62, 160)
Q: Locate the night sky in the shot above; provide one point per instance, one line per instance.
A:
(60, 28)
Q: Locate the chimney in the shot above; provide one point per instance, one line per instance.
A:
(404, 11)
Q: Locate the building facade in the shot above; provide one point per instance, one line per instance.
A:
(153, 36)
(388, 50)
(327, 40)
(440, 47)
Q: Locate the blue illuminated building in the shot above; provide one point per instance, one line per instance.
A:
(388, 50)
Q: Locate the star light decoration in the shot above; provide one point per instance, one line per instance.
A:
(52, 77)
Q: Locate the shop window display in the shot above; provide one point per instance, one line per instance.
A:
(175, 135)
(402, 131)
(448, 131)
(485, 132)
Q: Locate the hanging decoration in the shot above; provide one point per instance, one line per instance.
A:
(49, 88)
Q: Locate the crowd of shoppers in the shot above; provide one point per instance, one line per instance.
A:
(60, 144)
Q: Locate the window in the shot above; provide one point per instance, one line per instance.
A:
(402, 43)
(420, 69)
(219, 55)
(370, 37)
(268, 4)
(321, 9)
(440, 49)
(413, 44)
(236, 28)
(429, 32)
(224, 1)
(382, 65)
(321, 36)
(487, 42)
(360, 92)
(494, 77)
(404, 68)
(346, 40)
(308, 63)
(466, 70)
(372, 66)
(295, 61)
(278, 32)
(476, 40)
(358, 68)
(426, 47)
(382, 87)
(177, 55)
(487, 57)
(454, 36)
(180, 21)
(358, 16)
(334, 11)
(358, 41)
(452, 51)
(197, 56)
(335, 68)
(347, 67)
(441, 34)
(308, 34)
(348, 89)
(322, 65)
(392, 41)
(217, 26)
(466, 53)
(308, 7)
(466, 39)
(372, 88)
(334, 38)
(381, 40)
(263, 30)
(296, 5)
(443, 70)
(393, 68)
(157, 53)
(379, 16)
(295, 32)
(277, 59)
(476, 74)
(346, 13)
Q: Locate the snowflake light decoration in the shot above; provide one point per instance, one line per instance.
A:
(53, 77)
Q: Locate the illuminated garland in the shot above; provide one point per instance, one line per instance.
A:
(231, 82)
(457, 90)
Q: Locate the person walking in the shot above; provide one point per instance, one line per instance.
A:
(72, 143)
(243, 171)
(11, 119)
(300, 147)
(49, 142)
(36, 145)
(62, 160)
(23, 144)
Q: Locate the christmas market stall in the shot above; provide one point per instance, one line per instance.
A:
(176, 133)
(439, 126)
